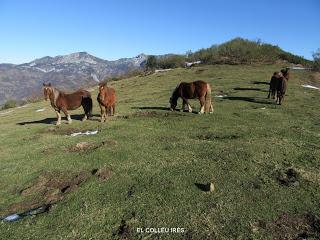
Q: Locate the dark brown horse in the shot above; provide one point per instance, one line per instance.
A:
(197, 89)
(107, 101)
(281, 89)
(61, 101)
(275, 81)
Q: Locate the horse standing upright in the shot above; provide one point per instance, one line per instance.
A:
(276, 79)
(198, 89)
(281, 89)
(107, 101)
(61, 101)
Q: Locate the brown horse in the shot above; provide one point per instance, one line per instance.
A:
(61, 101)
(281, 89)
(107, 101)
(275, 81)
(197, 89)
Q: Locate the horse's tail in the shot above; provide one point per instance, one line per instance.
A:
(87, 105)
(208, 102)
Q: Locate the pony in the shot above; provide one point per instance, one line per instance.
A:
(275, 81)
(281, 89)
(285, 72)
(61, 101)
(107, 101)
(198, 89)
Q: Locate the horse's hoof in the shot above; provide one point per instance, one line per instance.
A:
(69, 122)
(200, 112)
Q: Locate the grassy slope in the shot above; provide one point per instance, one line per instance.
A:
(160, 158)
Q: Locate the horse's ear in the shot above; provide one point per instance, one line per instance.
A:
(49, 84)
(43, 84)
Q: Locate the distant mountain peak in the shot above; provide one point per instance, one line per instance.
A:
(71, 71)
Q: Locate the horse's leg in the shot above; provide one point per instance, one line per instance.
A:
(106, 109)
(58, 118)
(113, 109)
(67, 115)
(102, 113)
(202, 103)
(186, 102)
(280, 99)
(183, 105)
(211, 108)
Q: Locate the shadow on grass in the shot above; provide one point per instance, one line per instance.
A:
(258, 82)
(250, 89)
(203, 187)
(152, 108)
(53, 120)
(247, 99)
(163, 109)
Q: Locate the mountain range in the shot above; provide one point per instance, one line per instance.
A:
(67, 72)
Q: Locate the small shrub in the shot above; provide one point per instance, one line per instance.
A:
(9, 104)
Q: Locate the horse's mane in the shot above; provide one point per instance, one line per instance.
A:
(175, 90)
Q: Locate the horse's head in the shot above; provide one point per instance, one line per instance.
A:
(102, 87)
(47, 90)
(173, 103)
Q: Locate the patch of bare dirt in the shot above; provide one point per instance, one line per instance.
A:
(287, 227)
(288, 177)
(86, 146)
(103, 173)
(124, 231)
(48, 188)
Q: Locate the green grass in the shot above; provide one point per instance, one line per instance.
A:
(161, 155)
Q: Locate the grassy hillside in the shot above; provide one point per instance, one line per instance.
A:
(244, 51)
(262, 158)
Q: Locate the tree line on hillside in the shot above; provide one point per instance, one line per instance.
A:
(236, 51)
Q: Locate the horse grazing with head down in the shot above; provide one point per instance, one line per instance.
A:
(107, 101)
(198, 89)
(276, 80)
(61, 101)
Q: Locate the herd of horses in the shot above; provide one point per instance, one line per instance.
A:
(62, 102)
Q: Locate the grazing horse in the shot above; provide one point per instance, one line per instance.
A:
(275, 81)
(107, 101)
(61, 101)
(197, 89)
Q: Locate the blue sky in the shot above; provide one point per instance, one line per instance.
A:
(32, 29)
